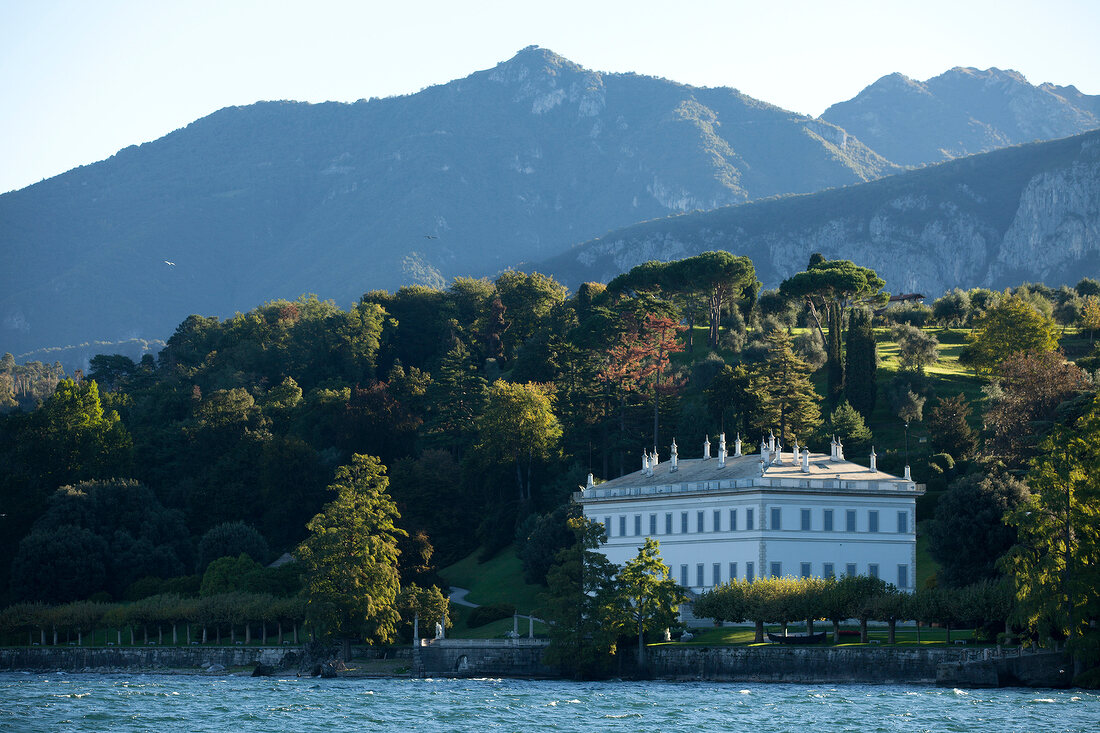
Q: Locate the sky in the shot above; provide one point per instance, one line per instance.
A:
(80, 80)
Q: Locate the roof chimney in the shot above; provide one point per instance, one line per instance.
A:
(839, 450)
(832, 449)
(722, 450)
(778, 453)
(675, 456)
(706, 449)
(645, 463)
(737, 446)
(805, 460)
(874, 459)
(907, 476)
(771, 442)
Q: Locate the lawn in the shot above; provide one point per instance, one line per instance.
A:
(498, 580)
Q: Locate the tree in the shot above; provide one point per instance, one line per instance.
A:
(647, 596)
(1010, 326)
(916, 349)
(787, 398)
(1022, 405)
(1090, 316)
(1056, 562)
(230, 539)
(949, 428)
(428, 606)
(861, 367)
(456, 398)
(57, 565)
(968, 534)
(350, 557)
(952, 309)
(518, 426)
(848, 425)
(833, 286)
(231, 574)
(730, 393)
(549, 534)
(580, 604)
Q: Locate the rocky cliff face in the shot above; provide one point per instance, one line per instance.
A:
(1030, 212)
(961, 112)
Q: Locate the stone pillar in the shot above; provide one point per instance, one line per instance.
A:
(737, 446)
(874, 459)
(805, 460)
(675, 459)
(722, 450)
(706, 449)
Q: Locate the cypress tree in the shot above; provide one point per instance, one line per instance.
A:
(861, 388)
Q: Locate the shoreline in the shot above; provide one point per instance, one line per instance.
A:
(456, 658)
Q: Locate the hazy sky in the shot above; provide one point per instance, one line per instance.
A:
(81, 79)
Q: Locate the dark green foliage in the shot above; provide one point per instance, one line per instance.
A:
(58, 564)
(953, 309)
(487, 614)
(548, 535)
(1087, 286)
(231, 539)
(121, 525)
(787, 401)
(968, 534)
(229, 574)
(912, 314)
(861, 385)
(916, 348)
(949, 428)
(847, 424)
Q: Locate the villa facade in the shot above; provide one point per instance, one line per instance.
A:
(772, 513)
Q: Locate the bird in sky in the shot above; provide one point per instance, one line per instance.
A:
(170, 264)
(430, 236)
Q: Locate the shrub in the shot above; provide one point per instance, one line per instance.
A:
(487, 614)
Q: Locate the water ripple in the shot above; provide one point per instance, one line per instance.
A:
(159, 703)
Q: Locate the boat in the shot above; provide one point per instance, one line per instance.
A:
(797, 638)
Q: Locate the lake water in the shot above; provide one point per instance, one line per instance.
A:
(168, 703)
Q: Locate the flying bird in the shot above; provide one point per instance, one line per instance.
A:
(430, 236)
(170, 264)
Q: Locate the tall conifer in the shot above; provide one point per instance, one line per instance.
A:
(861, 387)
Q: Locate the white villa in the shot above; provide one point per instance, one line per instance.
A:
(774, 513)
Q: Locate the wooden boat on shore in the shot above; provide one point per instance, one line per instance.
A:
(797, 638)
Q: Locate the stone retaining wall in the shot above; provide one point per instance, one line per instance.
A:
(481, 658)
(77, 659)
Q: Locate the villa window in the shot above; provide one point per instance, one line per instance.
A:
(637, 525)
(777, 518)
(805, 520)
(733, 520)
(684, 575)
(668, 523)
(699, 522)
(903, 576)
(749, 518)
(903, 522)
(827, 570)
(622, 525)
(777, 569)
(872, 521)
(683, 522)
(733, 571)
(806, 569)
(717, 574)
(750, 571)
(850, 570)
(699, 575)
(652, 524)
(717, 520)
(872, 570)
(606, 528)
(827, 520)
(850, 520)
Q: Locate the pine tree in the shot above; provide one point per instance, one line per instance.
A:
(949, 428)
(782, 385)
(456, 398)
(861, 386)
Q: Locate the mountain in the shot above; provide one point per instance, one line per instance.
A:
(961, 112)
(1030, 212)
(277, 199)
